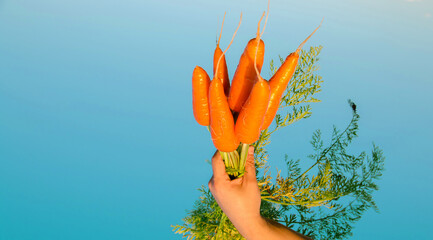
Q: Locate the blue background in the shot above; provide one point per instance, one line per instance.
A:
(97, 136)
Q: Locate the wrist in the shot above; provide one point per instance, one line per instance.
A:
(254, 228)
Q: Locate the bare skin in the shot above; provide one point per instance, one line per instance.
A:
(240, 201)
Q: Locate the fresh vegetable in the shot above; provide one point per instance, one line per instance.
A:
(222, 122)
(222, 69)
(200, 101)
(251, 116)
(245, 75)
(279, 81)
(221, 118)
(236, 115)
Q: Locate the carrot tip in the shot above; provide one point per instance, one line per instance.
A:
(234, 34)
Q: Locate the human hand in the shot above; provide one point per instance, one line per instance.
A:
(240, 198)
(240, 201)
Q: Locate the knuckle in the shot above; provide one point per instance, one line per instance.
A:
(250, 163)
(210, 184)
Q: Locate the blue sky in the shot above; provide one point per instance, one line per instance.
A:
(97, 136)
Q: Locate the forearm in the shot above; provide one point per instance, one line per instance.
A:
(263, 228)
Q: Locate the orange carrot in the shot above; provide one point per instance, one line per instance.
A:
(200, 90)
(279, 81)
(221, 118)
(222, 122)
(222, 70)
(245, 76)
(251, 116)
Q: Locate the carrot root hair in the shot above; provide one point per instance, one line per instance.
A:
(302, 43)
(259, 36)
(258, 26)
(234, 34)
(222, 25)
(266, 19)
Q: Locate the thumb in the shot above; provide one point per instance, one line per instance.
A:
(218, 167)
(250, 169)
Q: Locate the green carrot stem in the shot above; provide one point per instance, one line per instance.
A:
(244, 155)
(225, 158)
(236, 156)
(235, 160)
(232, 161)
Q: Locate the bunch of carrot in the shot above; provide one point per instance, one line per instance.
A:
(236, 114)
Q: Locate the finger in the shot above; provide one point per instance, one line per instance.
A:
(237, 181)
(210, 184)
(218, 167)
(250, 168)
